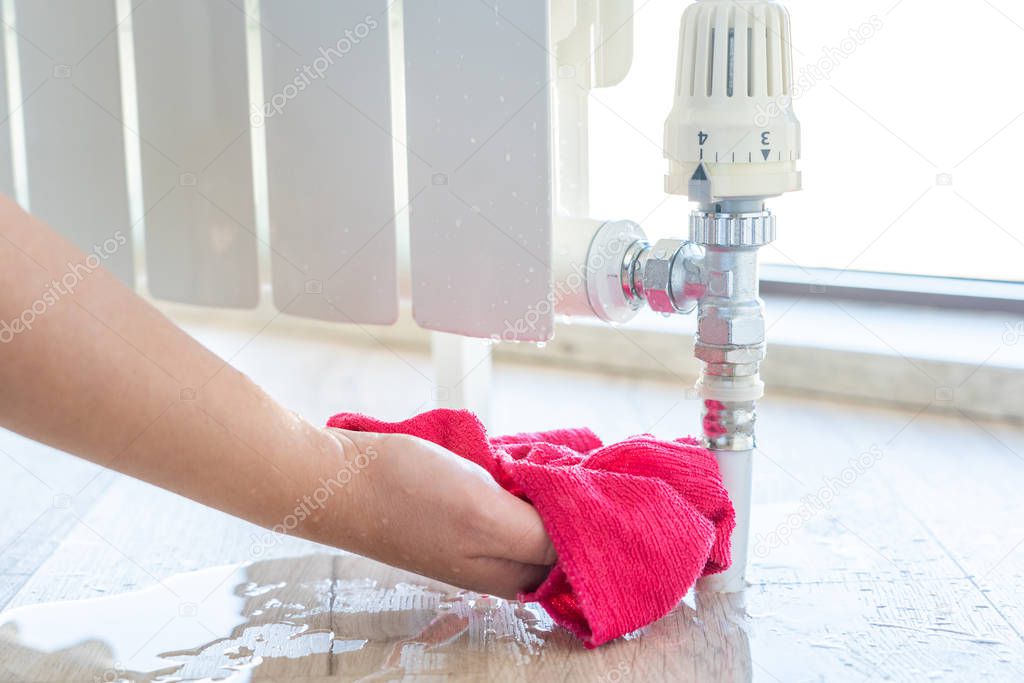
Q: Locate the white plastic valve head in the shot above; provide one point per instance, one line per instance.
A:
(732, 133)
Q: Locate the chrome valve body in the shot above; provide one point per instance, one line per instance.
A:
(714, 272)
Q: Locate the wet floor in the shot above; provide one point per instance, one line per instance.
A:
(329, 617)
(313, 617)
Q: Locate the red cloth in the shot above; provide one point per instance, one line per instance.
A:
(635, 524)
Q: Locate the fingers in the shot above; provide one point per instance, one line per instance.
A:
(503, 578)
(532, 577)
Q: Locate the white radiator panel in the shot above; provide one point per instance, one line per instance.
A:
(327, 116)
(191, 73)
(6, 162)
(479, 126)
(74, 136)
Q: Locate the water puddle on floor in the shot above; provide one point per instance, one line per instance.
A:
(343, 617)
(287, 618)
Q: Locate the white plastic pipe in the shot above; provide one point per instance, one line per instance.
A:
(571, 242)
(736, 468)
(462, 373)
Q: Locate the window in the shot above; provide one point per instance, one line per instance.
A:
(912, 143)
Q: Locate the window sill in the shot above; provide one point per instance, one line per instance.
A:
(965, 362)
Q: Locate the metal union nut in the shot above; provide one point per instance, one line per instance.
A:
(658, 284)
(731, 356)
(732, 230)
(731, 327)
(739, 332)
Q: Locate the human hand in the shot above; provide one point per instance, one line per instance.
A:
(418, 506)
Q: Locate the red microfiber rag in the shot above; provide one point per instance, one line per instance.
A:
(635, 524)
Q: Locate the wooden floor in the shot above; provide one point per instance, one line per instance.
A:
(887, 546)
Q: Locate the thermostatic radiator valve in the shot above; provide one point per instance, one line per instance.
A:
(732, 133)
(732, 142)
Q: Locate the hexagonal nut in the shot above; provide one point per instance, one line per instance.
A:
(658, 285)
(742, 331)
(725, 355)
(732, 369)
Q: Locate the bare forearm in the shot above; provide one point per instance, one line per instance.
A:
(90, 368)
(94, 370)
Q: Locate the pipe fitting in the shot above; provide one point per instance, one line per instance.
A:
(673, 276)
(736, 355)
(731, 326)
(608, 270)
(729, 425)
(623, 272)
(669, 276)
(733, 230)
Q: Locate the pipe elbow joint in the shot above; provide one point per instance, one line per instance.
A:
(673, 276)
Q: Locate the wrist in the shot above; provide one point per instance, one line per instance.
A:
(331, 505)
